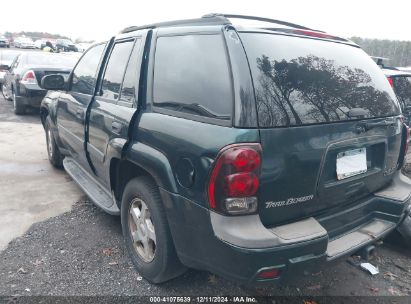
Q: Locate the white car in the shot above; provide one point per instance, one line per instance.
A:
(24, 43)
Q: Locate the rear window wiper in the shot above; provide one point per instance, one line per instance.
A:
(366, 126)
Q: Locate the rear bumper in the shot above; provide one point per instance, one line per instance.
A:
(238, 248)
(30, 95)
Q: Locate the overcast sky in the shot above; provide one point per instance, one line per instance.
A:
(99, 20)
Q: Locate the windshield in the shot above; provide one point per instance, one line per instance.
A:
(51, 60)
(305, 81)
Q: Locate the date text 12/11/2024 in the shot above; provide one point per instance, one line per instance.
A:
(204, 299)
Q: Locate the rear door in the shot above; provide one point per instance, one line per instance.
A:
(71, 105)
(329, 124)
(114, 105)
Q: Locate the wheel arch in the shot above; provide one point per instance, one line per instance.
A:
(140, 160)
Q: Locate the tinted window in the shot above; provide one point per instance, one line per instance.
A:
(191, 75)
(131, 77)
(402, 87)
(84, 75)
(116, 66)
(302, 81)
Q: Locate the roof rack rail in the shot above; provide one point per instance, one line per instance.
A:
(258, 19)
(215, 20)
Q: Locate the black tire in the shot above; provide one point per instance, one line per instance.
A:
(4, 92)
(55, 157)
(19, 109)
(405, 230)
(165, 264)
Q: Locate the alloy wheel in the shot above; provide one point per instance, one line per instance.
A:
(142, 230)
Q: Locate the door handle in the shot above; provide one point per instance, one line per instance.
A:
(79, 113)
(116, 126)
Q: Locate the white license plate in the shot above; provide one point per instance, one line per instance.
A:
(352, 162)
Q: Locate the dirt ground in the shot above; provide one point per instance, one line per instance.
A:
(78, 250)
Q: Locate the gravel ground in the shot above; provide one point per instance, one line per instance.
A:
(82, 253)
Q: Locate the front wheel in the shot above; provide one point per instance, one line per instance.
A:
(146, 232)
(5, 93)
(55, 157)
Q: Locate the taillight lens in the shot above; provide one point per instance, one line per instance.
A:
(405, 145)
(407, 139)
(390, 81)
(29, 77)
(234, 179)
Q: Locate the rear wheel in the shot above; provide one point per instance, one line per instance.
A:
(19, 109)
(146, 232)
(55, 157)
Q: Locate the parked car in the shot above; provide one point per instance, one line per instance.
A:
(22, 82)
(82, 47)
(65, 45)
(24, 43)
(253, 153)
(40, 44)
(4, 42)
(6, 59)
(400, 81)
(406, 69)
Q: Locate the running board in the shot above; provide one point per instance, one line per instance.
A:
(94, 190)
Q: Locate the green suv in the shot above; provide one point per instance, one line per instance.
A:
(251, 152)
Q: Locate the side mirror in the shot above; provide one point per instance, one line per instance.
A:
(53, 82)
(4, 67)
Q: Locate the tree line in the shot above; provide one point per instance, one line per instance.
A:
(399, 52)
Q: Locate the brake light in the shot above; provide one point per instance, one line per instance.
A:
(29, 77)
(391, 82)
(234, 179)
(315, 34)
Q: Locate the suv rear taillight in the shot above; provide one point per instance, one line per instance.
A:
(29, 78)
(234, 179)
(405, 145)
(390, 81)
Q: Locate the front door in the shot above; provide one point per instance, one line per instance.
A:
(72, 105)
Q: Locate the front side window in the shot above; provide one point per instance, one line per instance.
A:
(191, 75)
(301, 81)
(116, 66)
(85, 73)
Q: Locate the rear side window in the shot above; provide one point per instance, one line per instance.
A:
(402, 87)
(305, 81)
(130, 82)
(191, 75)
(116, 66)
(85, 73)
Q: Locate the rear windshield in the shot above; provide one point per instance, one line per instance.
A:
(306, 81)
(51, 60)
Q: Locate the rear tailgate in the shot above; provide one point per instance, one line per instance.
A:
(330, 125)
